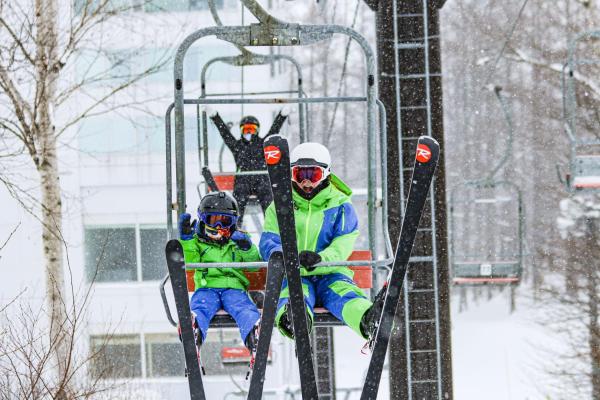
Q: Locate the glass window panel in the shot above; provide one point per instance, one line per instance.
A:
(115, 357)
(211, 352)
(164, 356)
(152, 242)
(110, 251)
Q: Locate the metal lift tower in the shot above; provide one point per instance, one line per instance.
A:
(410, 86)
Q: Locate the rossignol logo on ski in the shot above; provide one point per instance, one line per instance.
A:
(423, 153)
(272, 155)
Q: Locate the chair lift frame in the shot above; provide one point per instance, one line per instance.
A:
(476, 269)
(267, 33)
(580, 166)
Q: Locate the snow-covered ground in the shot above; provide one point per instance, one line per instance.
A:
(497, 355)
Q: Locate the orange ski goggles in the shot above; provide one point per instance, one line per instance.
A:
(249, 128)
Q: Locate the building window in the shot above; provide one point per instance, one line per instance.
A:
(160, 355)
(125, 253)
(152, 246)
(164, 356)
(110, 254)
(115, 357)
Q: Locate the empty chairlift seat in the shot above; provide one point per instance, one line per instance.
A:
(486, 272)
(586, 172)
(362, 277)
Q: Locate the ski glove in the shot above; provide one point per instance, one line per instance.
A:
(242, 240)
(308, 259)
(186, 226)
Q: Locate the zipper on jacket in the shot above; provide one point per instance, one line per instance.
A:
(306, 227)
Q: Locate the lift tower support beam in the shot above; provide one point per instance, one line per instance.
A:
(410, 86)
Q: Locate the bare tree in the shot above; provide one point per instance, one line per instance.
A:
(528, 62)
(572, 298)
(39, 53)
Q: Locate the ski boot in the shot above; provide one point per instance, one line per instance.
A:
(370, 319)
(197, 339)
(251, 344)
(285, 322)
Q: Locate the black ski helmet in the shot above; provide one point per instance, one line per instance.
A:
(218, 202)
(249, 119)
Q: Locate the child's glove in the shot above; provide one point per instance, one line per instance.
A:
(308, 259)
(186, 226)
(242, 240)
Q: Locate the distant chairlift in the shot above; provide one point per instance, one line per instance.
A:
(487, 229)
(584, 155)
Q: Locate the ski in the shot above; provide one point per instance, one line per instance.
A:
(427, 156)
(176, 265)
(277, 157)
(275, 272)
(209, 179)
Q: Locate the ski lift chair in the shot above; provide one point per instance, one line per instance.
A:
(225, 180)
(475, 257)
(268, 32)
(584, 155)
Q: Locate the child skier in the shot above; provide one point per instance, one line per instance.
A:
(248, 154)
(215, 239)
(326, 229)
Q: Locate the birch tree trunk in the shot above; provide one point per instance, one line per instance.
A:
(47, 67)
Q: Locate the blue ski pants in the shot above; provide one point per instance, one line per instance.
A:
(206, 302)
(336, 292)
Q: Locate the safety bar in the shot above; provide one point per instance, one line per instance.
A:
(279, 100)
(263, 264)
(250, 93)
(240, 173)
(163, 296)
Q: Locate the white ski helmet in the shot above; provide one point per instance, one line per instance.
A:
(311, 153)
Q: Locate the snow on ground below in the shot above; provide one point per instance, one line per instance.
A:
(497, 355)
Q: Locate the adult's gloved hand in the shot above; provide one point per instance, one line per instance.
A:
(186, 226)
(308, 259)
(242, 240)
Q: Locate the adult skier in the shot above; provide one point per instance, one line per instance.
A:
(326, 229)
(248, 154)
(213, 238)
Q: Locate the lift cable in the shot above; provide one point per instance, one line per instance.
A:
(506, 41)
(509, 141)
(328, 133)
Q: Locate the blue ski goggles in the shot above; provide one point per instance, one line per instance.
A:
(214, 220)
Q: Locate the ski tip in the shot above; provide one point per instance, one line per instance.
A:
(173, 245)
(429, 140)
(275, 139)
(427, 150)
(174, 251)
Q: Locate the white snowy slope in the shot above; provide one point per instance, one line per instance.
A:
(497, 355)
